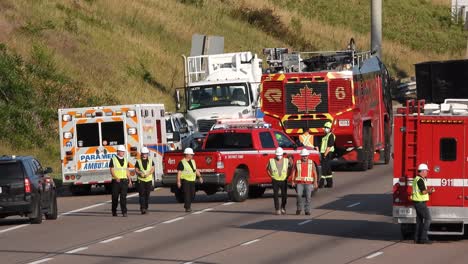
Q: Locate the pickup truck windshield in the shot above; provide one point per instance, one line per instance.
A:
(229, 141)
(229, 94)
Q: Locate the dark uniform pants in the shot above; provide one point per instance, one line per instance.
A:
(423, 221)
(283, 186)
(144, 190)
(189, 193)
(119, 189)
(327, 174)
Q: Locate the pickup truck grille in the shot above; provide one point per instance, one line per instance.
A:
(291, 124)
(204, 125)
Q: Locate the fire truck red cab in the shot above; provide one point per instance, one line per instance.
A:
(435, 134)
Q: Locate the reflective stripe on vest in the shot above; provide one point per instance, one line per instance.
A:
(306, 140)
(188, 174)
(120, 172)
(417, 195)
(324, 145)
(274, 170)
(310, 171)
(146, 170)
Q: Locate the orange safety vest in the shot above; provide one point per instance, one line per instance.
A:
(307, 140)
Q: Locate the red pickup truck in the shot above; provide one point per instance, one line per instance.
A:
(235, 160)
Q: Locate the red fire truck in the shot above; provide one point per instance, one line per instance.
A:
(435, 134)
(349, 88)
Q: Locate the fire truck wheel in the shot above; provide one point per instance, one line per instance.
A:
(256, 191)
(407, 231)
(371, 150)
(363, 164)
(240, 187)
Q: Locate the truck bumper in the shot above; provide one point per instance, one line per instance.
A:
(219, 179)
(439, 214)
(16, 208)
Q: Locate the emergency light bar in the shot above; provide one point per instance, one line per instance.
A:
(240, 123)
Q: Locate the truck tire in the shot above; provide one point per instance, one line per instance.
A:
(52, 214)
(371, 150)
(256, 191)
(363, 165)
(240, 187)
(36, 215)
(407, 231)
(388, 147)
(210, 191)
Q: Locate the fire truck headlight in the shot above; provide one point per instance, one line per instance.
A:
(343, 122)
(66, 118)
(131, 113)
(67, 135)
(132, 131)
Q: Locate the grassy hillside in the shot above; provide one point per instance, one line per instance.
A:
(65, 53)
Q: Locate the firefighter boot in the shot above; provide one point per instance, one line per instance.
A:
(329, 183)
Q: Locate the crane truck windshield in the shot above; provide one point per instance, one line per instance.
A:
(229, 94)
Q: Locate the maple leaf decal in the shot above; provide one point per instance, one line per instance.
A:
(306, 100)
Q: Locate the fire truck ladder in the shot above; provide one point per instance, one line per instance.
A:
(410, 140)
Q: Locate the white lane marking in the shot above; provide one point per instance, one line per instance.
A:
(144, 229)
(76, 250)
(110, 240)
(13, 228)
(40, 261)
(189, 262)
(173, 220)
(250, 242)
(305, 222)
(228, 203)
(352, 205)
(374, 255)
(202, 211)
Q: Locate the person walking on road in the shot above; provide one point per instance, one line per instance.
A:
(120, 180)
(420, 197)
(186, 175)
(144, 168)
(305, 181)
(278, 169)
(326, 150)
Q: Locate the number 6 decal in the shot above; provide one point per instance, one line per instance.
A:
(340, 93)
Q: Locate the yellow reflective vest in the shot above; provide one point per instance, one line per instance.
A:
(324, 145)
(274, 170)
(120, 172)
(417, 195)
(146, 171)
(188, 174)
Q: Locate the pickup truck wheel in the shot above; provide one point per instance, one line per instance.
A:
(240, 188)
(36, 216)
(52, 214)
(256, 192)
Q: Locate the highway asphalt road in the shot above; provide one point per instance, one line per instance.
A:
(350, 223)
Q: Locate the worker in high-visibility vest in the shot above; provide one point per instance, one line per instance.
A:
(420, 197)
(120, 180)
(187, 173)
(279, 168)
(144, 168)
(304, 178)
(326, 150)
(306, 138)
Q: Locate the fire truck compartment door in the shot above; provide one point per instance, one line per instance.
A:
(447, 166)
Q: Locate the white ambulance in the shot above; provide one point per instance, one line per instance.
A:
(89, 138)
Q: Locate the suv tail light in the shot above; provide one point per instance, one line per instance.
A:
(219, 163)
(27, 185)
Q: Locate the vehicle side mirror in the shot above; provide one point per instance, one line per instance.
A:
(183, 130)
(47, 170)
(176, 136)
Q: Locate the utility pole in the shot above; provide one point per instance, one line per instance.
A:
(376, 27)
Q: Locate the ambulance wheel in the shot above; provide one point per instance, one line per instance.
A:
(407, 231)
(256, 191)
(371, 150)
(240, 187)
(179, 195)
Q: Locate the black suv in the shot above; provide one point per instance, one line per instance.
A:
(26, 189)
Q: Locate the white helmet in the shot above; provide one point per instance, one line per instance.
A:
(304, 152)
(279, 151)
(144, 150)
(423, 167)
(189, 151)
(121, 148)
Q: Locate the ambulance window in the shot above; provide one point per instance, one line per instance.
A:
(113, 133)
(87, 135)
(169, 126)
(448, 149)
(267, 140)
